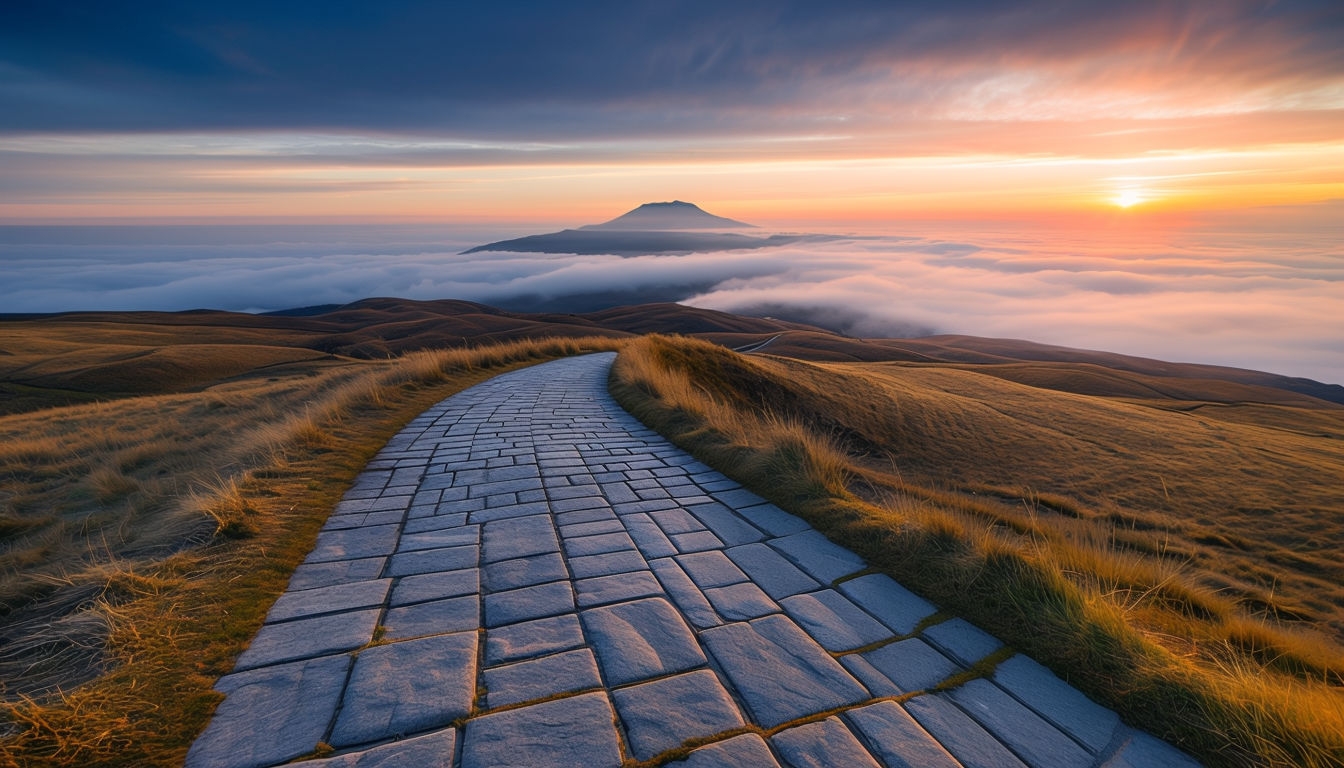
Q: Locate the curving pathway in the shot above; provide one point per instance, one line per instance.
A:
(527, 576)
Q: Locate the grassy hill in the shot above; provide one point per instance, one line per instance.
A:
(1159, 541)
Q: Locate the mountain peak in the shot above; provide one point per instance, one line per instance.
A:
(669, 215)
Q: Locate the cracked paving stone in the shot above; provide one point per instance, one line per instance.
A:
(780, 671)
(540, 678)
(271, 715)
(575, 731)
(665, 713)
(641, 639)
(822, 744)
(407, 687)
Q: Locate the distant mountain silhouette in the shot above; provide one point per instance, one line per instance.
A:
(652, 228)
(673, 215)
(639, 242)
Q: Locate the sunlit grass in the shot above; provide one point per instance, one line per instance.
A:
(1102, 576)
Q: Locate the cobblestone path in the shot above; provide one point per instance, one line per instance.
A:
(527, 576)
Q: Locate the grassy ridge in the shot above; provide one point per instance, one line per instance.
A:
(147, 537)
(929, 475)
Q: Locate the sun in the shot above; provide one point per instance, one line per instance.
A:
(1127, 198)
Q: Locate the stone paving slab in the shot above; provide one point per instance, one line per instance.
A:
(526, 575)
(641, 639)
(576, 731)
(407, 687)
(337, 597)
(540, 678)
(897, 740)
(433, 750)
(294, 701)
(780, 672)
(745, 751)
(661, 715)
(822, 744)
(307, 638)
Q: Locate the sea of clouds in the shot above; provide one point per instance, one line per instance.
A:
(1246, 299)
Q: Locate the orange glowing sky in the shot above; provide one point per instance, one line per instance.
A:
(850, 115)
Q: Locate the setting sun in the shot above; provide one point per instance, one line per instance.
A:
(1127, 198)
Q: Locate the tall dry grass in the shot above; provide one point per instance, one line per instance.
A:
(144, 539)
(1119, 611)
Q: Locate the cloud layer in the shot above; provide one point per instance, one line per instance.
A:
(1247, 299)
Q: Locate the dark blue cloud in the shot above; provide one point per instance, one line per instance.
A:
(640, 67)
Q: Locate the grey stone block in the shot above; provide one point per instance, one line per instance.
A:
(685, 594)
(575, 731)
(533, 638)
(896, 739)
(309, 638)
(602, 590)
(740, 602)
(913, 665)
(696, 541)
(407, 687)
(726, 524)
(435, 586)
(432, 750)
(876, 682)
(332, 599)
(673, 520)
(539, 678)
(962, 640)
(525, 572)
(607, 564)
(649, 538)
(822, 559)
(595, 528)
(528, 603)
(833, 621)
(959, 734)
(640, 639)
(313, 575)
(518, 537)
(745, 751)
(771, 571)
(660, 715)
(737, 497)
(822, 744)
(455, 614)
(780, 671)
(432, 560)
(271, 715)
(1032, 738)
(1140, 750)
(893, 605)
(354, 543)
(444, 537)
(1057, 701)
(599, 544)
(710, 569)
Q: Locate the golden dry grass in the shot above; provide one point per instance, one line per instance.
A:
(145, 538)
(1178, 566)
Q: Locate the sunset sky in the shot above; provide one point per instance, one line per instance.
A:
(1164, 179)
(777, 112)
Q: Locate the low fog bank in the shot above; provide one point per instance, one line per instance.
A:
(1249, 300)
